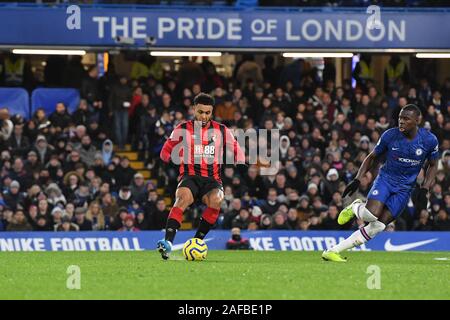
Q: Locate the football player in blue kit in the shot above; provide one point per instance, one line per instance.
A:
(407, 147)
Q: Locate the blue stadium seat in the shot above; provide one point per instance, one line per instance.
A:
(16, 100)
(47, 98)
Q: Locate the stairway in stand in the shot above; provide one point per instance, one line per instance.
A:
(139, 166)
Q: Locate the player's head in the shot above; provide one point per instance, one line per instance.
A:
(203, 108)
(409, 118)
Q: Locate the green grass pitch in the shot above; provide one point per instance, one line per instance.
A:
(224, 275)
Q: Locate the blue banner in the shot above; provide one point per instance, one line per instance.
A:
(47, 98)
(216, 240)
(16, 100)
(225, 28)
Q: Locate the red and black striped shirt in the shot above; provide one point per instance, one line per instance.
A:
(202, 150)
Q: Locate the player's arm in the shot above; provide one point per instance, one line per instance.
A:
(431, 171)
(171, 142)
(233, 145)
(430, 174)
(368, 163)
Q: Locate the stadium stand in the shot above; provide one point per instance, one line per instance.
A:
(63, 169)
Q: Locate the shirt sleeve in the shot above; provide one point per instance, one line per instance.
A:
(233, 146)
(171, 142)
(433, 153)
(383, 142)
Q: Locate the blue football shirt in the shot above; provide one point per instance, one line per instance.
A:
(405, 158)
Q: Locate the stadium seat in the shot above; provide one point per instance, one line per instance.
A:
(16, 100)
(47, 98)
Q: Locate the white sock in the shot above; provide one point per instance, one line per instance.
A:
(355, 239)
(363, 213)
(360, 236)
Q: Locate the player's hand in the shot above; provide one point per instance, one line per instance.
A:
(422, 197)
(351, 188)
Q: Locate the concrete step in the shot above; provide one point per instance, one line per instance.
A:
(127, 148)
(186, 225)
(137, 165)
(168, 201)
(132, 156)
(147, 174)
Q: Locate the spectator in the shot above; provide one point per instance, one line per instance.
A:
(57, 217)
(60, 118)
(424, 223)
(292, 219)
(67, 225)
(107, 152)
(442, 222)
(266, 222)
(279, 222)
(242, 220)
(82, 115)
(18, 143)
(330, 220)
(119, 102)
(138, 188)
(271, 205)
(141, 222)
(158, 218)
(42, 149)
(90, 90)
(237, 242)
(87, 151)
(19, 222)
(125, 174)
(95, 214)
(129, 224)
(55, 195)
(125, 198)
(81, 221)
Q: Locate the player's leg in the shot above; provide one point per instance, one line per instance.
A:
(212, 200)
(183, 199)
(368, 212)
(362, 235)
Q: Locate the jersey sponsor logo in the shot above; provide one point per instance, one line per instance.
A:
(419, 152)
(388, 246)
(410, 161)
(205, 151)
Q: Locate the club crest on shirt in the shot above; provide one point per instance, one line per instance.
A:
(419, 152)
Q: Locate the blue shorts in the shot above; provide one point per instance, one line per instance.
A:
(395, 199)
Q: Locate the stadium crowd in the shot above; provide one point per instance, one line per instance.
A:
(59, 171)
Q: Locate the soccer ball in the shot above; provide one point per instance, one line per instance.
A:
(195, 250)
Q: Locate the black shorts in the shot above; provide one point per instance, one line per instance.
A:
(199, 185)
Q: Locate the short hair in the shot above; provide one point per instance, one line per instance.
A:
(205, 99)
(413, 108)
